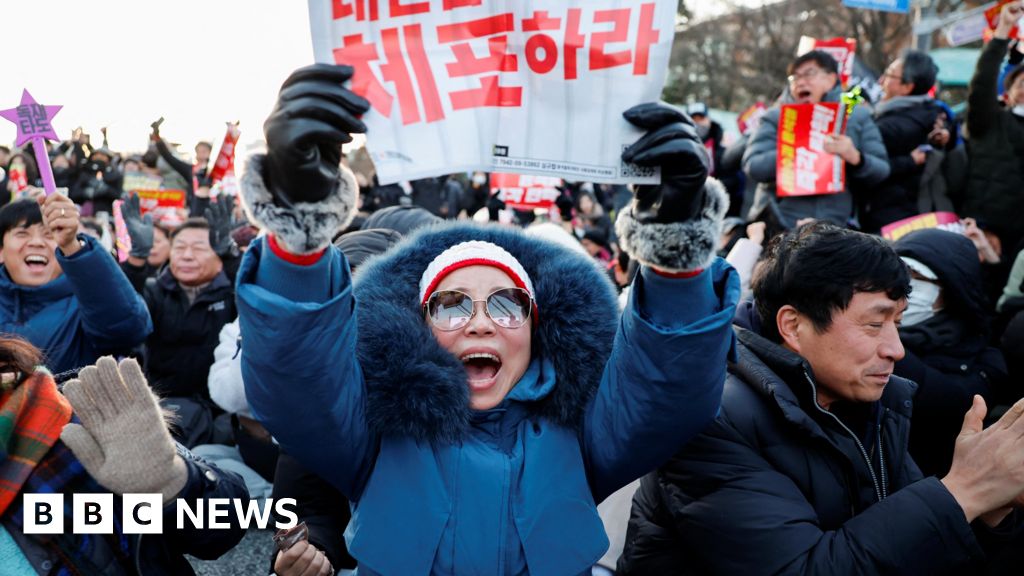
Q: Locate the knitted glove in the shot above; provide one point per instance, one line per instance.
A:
(140, 228)
(122, 440)
(675, 225)
(219, 217)
(299, 191)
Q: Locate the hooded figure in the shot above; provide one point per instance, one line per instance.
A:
(945, 333)
(477, 391)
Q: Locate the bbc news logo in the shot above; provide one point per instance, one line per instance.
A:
(143, 513)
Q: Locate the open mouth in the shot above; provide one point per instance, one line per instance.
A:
(803, 95)
(36, 262)
(481, 368)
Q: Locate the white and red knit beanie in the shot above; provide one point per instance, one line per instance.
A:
(472, 253)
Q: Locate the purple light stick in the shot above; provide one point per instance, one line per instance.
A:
(33, 123)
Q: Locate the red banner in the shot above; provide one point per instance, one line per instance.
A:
(225, 163)
(751, 118)
(842, 49)
(803, 168)
(942, 220)
(525, 192)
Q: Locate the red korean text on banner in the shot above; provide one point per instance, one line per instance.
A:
(525, 192)
(992, 16)
(842, 49)
(750, 119)
(489, 68)
(942, 220)
(803, 168)
(397, 68)
(225, 162)
(373, 10)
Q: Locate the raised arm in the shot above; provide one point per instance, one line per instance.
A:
(296, 310)
(112, 313)
(663, 382)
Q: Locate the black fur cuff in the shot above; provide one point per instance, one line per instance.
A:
(679, 246)
(306, 227)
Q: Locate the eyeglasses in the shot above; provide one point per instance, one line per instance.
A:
(452, 309)
(808, 74)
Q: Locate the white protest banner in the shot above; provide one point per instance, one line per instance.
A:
(529, 87)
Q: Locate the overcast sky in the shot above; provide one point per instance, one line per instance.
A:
(125, 63)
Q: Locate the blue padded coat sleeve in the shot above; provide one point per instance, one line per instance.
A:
(663, 382)
(113, 314)
(299, 363)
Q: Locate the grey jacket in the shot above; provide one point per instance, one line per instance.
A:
(760, 159)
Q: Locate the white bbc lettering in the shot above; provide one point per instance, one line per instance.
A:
(183, 510)
(283, 512)
(219, 508)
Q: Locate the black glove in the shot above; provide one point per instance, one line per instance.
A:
(219, 217)
(313, 117)
(672, 143)
(140, 228)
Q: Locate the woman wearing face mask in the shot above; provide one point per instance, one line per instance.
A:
(945, 333)
(475, 392)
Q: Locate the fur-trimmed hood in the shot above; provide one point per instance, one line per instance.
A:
(417, 388)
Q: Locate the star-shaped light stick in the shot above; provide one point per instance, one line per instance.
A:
(33, 123)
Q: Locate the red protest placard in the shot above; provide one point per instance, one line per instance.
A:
(226, 157)
(525, 192)
(941, 220)
(992, 15)
(803, 168)
(842, 49)
(167, 206)
(751, 118)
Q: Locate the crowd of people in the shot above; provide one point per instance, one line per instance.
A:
(745, 383)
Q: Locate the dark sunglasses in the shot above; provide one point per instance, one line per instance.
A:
(451, 309)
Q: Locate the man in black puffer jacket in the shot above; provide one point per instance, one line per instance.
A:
(945, 332)
(905, 117)
(806, 469)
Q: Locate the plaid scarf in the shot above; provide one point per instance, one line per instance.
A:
(32, 415)
(36, 462)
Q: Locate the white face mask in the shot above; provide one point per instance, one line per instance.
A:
(1019, 110)
(479, 179)
(921, 302)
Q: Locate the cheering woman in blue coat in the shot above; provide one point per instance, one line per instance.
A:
(474, 393)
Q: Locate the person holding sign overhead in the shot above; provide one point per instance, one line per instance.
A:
(814, 79)
(474, 392)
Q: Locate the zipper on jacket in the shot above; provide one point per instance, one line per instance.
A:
(881, 456)
(860, 445)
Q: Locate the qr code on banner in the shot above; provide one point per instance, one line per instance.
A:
(630, 170)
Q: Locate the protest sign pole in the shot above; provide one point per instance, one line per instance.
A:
(33, 124)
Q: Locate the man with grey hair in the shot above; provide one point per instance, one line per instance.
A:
(905, 117)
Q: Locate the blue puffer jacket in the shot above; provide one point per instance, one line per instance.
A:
(88, 311)
(352, 383)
